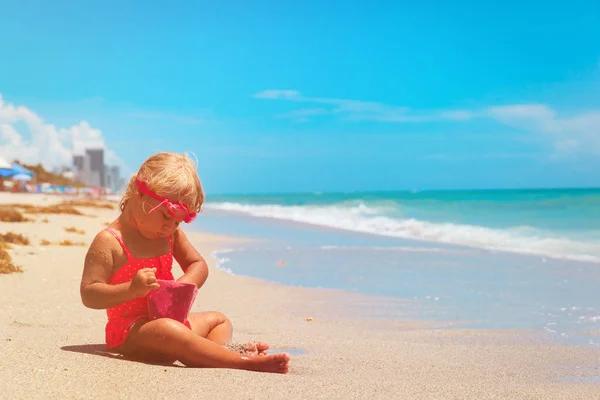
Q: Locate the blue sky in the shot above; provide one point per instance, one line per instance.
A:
(313, 96)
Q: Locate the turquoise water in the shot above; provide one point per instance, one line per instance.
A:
(447, 283)
(498, 259)
(560, 223)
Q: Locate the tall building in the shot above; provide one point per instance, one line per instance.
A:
(90, 170)
(78, 167)
(94, 161)
(112, 178)
(108, 179)
(116, 174)
(78, 162)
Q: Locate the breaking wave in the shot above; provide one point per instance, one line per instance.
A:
(359, 217)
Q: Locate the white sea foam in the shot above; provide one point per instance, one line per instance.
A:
(362, 218)
(220, 264)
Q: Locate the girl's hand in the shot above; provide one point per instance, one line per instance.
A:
(143, 282)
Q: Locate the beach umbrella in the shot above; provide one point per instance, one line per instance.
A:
(21, 177)
(6, 173)
(21, 170)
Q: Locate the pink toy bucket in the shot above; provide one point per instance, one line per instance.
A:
(172, 300)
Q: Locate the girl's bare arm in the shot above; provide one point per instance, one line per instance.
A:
(191, 262)
(95, 291)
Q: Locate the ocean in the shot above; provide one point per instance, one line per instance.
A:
(561, 223)
(500, 259)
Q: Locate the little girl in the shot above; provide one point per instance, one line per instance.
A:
(126, 259)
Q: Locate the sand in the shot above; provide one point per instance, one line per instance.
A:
(51, 346)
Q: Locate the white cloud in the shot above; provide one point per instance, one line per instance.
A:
(358, 110)
(278, 94)
(575, 133)
(529, 116)
(24, 136)
(579, 133)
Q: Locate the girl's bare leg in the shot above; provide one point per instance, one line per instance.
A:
(212, 325)
(171, 339)
(216, 327)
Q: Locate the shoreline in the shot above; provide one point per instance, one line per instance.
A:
(383, 310)
(52, 346)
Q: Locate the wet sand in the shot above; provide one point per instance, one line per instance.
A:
(51, 346)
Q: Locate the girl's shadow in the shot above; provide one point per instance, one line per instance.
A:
(101, 350)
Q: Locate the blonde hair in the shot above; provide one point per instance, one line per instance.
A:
(169, 174)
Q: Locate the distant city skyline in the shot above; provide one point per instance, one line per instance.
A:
(89, 168)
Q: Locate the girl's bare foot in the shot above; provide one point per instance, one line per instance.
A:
(249, 349)
(256, 348)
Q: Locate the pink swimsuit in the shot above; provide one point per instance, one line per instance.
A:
(122, 317)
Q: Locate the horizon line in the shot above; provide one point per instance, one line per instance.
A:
(315, 192)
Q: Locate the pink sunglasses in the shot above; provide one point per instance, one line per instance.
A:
(176, 210)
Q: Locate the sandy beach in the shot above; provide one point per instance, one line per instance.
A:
(53, 347)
